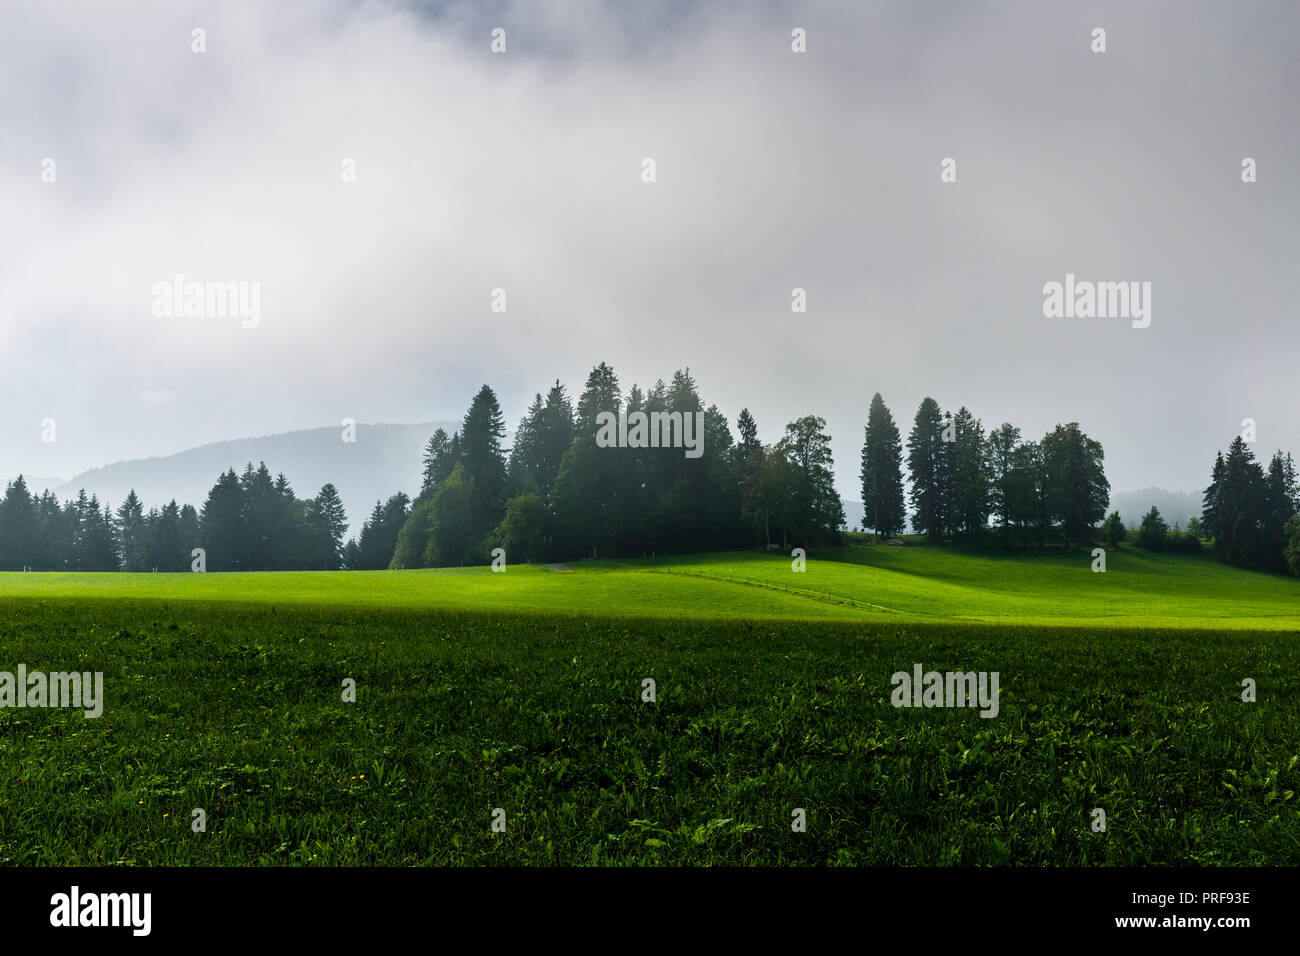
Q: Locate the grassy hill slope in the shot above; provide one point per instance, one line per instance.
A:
(866, 582)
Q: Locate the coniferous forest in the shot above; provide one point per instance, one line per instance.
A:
(555, 494)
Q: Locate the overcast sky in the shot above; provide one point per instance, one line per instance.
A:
(523, 171)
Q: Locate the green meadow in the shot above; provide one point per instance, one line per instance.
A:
(875, 582)
(523, 691)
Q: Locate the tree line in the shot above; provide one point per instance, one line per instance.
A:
(1252, 513)
(558, 494)
(961, 478)
(249, 522)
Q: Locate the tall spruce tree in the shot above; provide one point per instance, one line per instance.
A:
(925, 463)
(131, 534)
(884, 508)
(20, 541)
(439, 459)
(484, 460)
(971, 494)
(222, 525)
(1000, 453)
(327, 523)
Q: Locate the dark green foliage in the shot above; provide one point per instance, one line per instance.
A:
(628, 501)
(250, 522)
(326, 523)
(96, 536)
(374, 548)
(1247, 511)
(815, 509)
(1077, 489)
(439, 458)
(1001, 458)
(971, 492)
(1291, 553)
(1113, 529)
(20, 531)
(1153, 535)
(132, 534)
(453, 531)
(222, 525)
(484, 462)
(1184, 542)
(168, 548)
(748, 430)
(238, 710)
(523, 529)
(884, 510)
(925, 462)
(413, 539)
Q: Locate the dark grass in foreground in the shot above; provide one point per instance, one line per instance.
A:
(238, 711)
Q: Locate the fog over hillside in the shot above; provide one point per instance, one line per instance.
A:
(383, 460)
(1175, 506)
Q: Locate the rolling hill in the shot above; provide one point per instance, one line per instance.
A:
(873, 583)
(383, 460)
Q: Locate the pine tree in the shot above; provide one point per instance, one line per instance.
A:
(1028, 503)
(453, 533)
(882, 472)
(924, 462)
(187, 533)
(1279, 509)
(748, 429)
(439, 459)
(1001, 451)
(55, 553)
(590, 506)
(131, 533)
(485, 461)
(222, 526)
(1241, 508)
(1153, 535)
(259, 505)
(328, 522)
(288, 523)
(1211, 503)
(543, 436)
(374, 547)
(20, 540)
(525, 453)
(98, 545)
(167, 550)
(971, 494)
(1114, 530)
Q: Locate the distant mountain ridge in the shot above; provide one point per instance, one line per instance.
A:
(384, 460)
